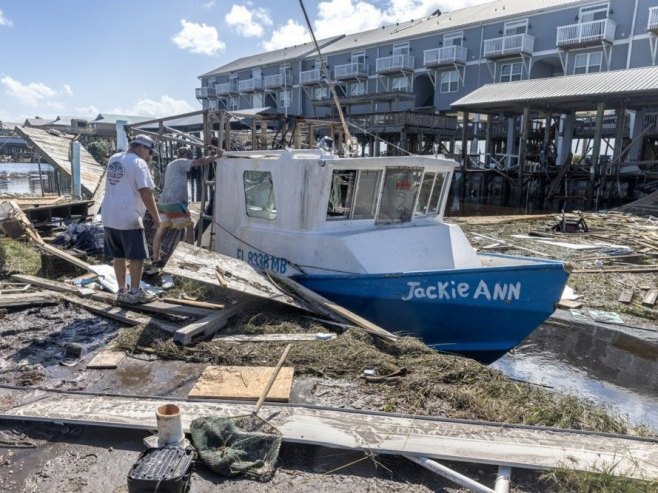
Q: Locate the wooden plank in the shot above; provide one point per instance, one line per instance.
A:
(175, 309)
(333, 307)
(207, 326)
(241, 338)
(626, 296)
(650, 297)
(120, 314)
(379, 433)
(200, 304)
(201, 265)
(107, 359)
(242, 383)
(60, 287)
(28, 299)
(569, 304)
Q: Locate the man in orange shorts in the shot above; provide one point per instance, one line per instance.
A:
(172, 203)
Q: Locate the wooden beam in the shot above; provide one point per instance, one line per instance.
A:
(206, 326)
(376, 432)
(28, 299)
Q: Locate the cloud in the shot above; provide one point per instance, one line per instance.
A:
(167, 106)
(67, 90)
(4, 21)
(87, 111)
(198, 38)
(209, 5)
(346, 17)
(29, 94)
(248, 23)
(282, 36)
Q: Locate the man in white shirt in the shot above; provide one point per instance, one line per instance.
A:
(172, 203)
(128, 194)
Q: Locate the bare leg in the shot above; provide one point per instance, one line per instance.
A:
(135, 269)
(119, 265)
(157, 242)
(189, 234)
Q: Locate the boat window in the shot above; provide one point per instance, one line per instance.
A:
(425, 193)
(437, 193)
(401, 187)
(353, 194)
(259, 194)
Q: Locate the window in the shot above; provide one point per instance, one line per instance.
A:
(259, 194)
(453, 39)
(511, 71)
(593, 13)
(359, 57)
(449, 81)
(587, 63)
(400, 84)
(401, 186)
(232, 103)
(429, 198)
(284, 98)
(320, 93)
(353, 194)
(516, 27)
(356, 88)
(401, 49)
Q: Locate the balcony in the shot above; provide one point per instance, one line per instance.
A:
(516, 44)
(395, 63)
(277, 81)
(310, 77)
(351, 71)
(439, 57)
(250, 85)
(586, 34)
(205, 92)
(653, 20)
(226, 88)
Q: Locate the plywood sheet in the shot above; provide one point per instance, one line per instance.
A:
(242, 383)
(380, 433)
(107, 359)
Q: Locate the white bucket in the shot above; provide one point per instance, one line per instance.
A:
(170, 427)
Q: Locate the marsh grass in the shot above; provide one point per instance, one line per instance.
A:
(18, 258)
(601, 481)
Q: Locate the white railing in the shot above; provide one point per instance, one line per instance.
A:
(205, 92)
(225, 88)
(444, 56)
(310, 76)
(278, 80)
(586, 32)
(350, 70)
(653, 19)
(509, 45)
(394, 62)
(250, 85)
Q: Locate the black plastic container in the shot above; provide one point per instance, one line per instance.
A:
(165, 470)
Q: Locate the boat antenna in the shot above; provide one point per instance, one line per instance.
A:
(330, 84)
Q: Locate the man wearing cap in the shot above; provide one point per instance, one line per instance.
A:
(128, 194)
(172, 203)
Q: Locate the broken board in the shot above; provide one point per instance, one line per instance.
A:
(242, 383)
(107, 359)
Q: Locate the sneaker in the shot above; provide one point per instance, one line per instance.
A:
(139, 297)
(122, 296)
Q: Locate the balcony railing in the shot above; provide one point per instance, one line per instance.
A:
(277, 81)
(350, 71)
(250, 85)
(308, 77)
(653, 20)
(394, 63)
(226, 88)
(515, 44)
(445, 56)
(205, 92)
(586, 33)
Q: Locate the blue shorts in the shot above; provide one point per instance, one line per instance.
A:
(125, 243)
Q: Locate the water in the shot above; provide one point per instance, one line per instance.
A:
(613, 369)
(23, 179)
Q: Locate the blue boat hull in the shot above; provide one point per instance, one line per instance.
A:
(480, 313)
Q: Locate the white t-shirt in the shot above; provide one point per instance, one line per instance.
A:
(123, 207)
(175, 182)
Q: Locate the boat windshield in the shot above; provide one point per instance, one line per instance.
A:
(393, 195)
(259, 194)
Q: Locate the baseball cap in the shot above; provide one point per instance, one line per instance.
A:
(146, 141)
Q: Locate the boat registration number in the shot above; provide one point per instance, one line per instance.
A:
(263, 260)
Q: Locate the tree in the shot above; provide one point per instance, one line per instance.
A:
(99, 149)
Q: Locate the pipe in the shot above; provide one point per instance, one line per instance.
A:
(170, 426)
(502, 479)
(76, 185)
(448, 473)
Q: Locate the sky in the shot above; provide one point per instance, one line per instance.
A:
(143, 57)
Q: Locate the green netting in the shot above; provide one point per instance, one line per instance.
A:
(239, 445)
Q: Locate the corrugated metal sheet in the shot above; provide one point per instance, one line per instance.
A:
(564, 88)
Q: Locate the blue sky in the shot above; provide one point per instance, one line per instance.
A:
(143, 57)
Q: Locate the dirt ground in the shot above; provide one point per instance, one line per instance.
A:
(39, 348)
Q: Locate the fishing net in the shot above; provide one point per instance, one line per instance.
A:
(237, 445)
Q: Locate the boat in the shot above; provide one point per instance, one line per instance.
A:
(368, 233)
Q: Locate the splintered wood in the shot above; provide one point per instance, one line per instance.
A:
(243, 383)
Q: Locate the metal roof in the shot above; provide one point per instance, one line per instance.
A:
(270, 57)
(633, 87)
(112, 118)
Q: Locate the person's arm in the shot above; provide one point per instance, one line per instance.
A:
(207, 160)
(149, 202)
